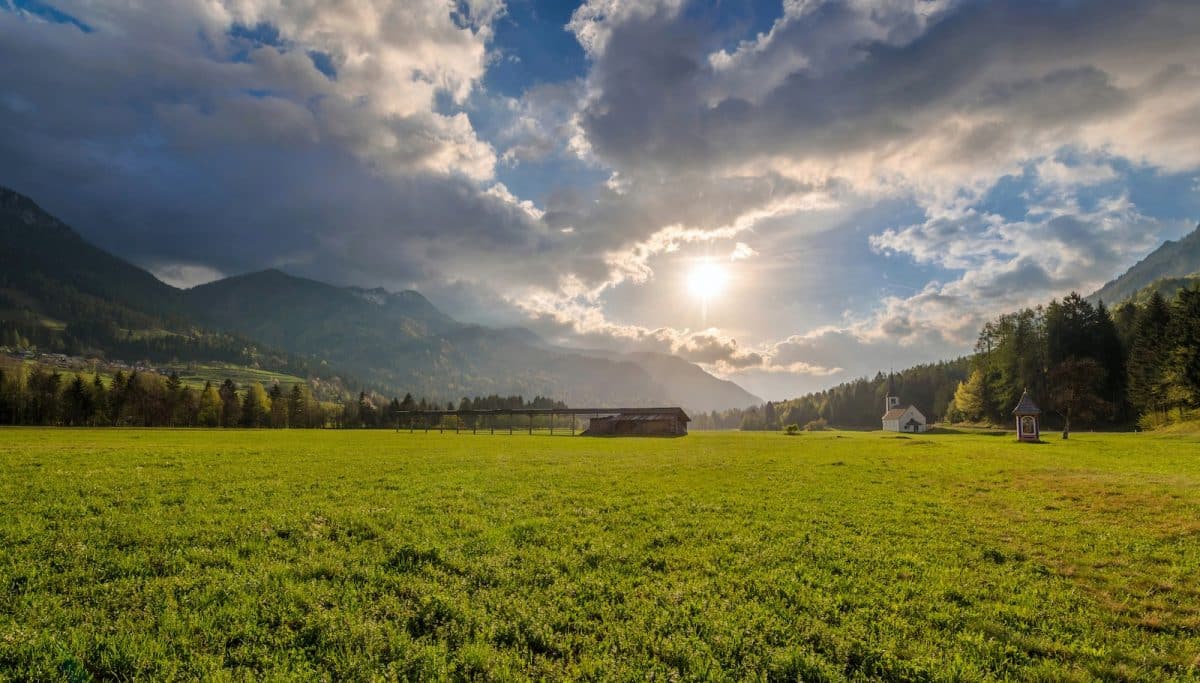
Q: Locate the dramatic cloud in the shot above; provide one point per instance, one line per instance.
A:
(932, 96)
(934, 101)
(879, 176)
(253, 125)
(1015, 263)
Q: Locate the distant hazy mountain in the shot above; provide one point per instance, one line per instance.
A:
(1171, 260)
(59, 291)
(401, 340)
(687, 384)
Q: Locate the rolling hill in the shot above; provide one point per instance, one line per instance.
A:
(62, 293)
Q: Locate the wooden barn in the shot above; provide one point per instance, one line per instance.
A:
(640, 422)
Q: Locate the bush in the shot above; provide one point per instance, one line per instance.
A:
(818, 425)
(1152, 420)
(792, 429)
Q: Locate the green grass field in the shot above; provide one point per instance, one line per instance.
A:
(827, 556)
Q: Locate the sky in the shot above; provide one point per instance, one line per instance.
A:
(791, 194)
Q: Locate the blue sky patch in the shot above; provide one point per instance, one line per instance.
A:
(532, 45)
(45, 11)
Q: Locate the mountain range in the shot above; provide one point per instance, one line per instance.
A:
(64, 293)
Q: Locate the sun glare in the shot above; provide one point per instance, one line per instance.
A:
(707, 280)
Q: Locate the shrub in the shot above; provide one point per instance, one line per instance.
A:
(792, 429)
(1152, 420)
(818, 425)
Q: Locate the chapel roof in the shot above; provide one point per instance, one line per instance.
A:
(1026, 406)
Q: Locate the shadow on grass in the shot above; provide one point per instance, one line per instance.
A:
(978, 432)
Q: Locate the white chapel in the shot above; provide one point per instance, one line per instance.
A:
(899, 418)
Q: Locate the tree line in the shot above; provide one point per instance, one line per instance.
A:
(39, 396)
(1138, 364)
(857, 403)
(36, 395)
(1082, 363)
(365, 413)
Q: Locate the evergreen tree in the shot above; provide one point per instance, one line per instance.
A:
(12, 395)
(1147, 357)
(99, 401)
(231, 407)
(296, 405)
(1183, 346)
(77, 402)
(279, 407)
(1110, 354)
(6, 405)
(1070, 330)
(1125, 319)
(174, 394)
(43, 405)
(116, 398)
(408, 404)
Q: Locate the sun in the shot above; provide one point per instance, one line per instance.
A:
(707, 280)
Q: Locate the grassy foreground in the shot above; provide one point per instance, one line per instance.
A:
(827, 556)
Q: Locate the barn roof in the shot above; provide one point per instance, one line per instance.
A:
(639, 416)
(1026, 406)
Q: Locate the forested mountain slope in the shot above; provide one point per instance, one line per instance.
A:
(1172, 259)
(49, 268)
(59, 292)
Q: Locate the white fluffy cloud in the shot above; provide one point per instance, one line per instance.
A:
(344, 139)
(931, 101)
(1015, 263)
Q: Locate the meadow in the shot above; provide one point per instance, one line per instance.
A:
(342, 555)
